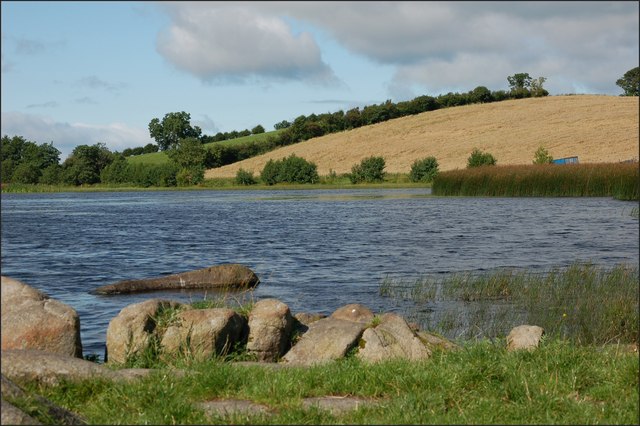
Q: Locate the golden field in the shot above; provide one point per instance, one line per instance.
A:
(596, 128)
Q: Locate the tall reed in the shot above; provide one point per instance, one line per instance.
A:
(583, 303)
(619, 180)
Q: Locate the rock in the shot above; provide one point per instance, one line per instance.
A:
(32, 320)
(305, 318)
(226, 407)
(392, 338)
(326, 340)
(524, 337)
(433, 341)
(129, 333)
(61, 415)
(12, 415)
(337, 405)
(354, 312)
(270, 326)
(49, 369)
(230, 276)
(202, 333)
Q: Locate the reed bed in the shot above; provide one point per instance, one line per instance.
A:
(618, 180)
(582, 303)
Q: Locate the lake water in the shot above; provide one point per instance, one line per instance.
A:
(315, 250)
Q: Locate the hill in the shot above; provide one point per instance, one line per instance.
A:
(595, 128)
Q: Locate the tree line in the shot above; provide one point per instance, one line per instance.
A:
(27, 162)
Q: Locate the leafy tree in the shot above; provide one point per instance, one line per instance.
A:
(281, 125)
(26, 173)
(85, 164)
(188, 153)
(117, 171)
(244, 177)
(150, 148)
(257, 130)
(190, 176)
(370, 169)
(51, 175)
(424, 170)
(536, 87)
(290, 169)
(630, 82)
(269, 174)
(542, 156)
(479, 158)
(519, 81)
(173, 127)
(480, 95)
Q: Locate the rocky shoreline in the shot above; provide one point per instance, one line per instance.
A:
(41, 340)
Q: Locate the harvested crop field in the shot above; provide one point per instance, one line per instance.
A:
(596, 128)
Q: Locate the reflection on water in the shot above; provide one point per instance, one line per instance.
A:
(314, 250)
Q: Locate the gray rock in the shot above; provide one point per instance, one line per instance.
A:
(202, 333)
(354, 312)
(326, 340)
(270, 326)
(47, 368)
(524, 337)
(392, 338)
(433, 341)
(32, 320)
(231, 276)
(129, 333)
(338, 404)
(12, 415)
(226, 407)
(306, 318)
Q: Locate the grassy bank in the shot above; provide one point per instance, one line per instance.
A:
(481, 384)
(619, 180)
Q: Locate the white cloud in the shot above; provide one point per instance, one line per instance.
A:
(66, 136)
(221, 41)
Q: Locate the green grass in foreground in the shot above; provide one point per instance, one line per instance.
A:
(481, 384)
(619, 180)
(583, 303)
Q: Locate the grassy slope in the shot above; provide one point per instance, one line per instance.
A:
(161, 157)
(595, 128)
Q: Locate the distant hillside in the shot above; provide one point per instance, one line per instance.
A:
(595, 128)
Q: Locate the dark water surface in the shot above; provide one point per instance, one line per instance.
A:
(314, 250)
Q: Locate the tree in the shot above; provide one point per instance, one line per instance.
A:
(479, 158)
(519, 81)
(630, 82)
(281, 125)
(85, 164)
(173, 127)
(542, 156)
(257, 130)
(188, 153)
(370, 169)
(536, 87)
(424, 170)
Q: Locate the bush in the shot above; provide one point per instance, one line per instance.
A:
(424, 170)
(190, 176)
(370, 169)
(244, 177)
(479, 158)
(257, 130)
(291, 169)
(542, 156)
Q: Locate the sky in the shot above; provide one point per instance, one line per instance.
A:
(79, 73)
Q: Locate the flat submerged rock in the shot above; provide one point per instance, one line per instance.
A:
(228, 276)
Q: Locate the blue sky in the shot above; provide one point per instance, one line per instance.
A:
(85, 72)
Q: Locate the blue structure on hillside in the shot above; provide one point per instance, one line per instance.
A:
(566, 160)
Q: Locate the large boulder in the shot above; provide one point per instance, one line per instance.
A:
(330, 338)
(270, 326)
(227, 276)
(433, 341)
(130, 332)
(32, 320)
(524, 337)
(391, 338)
(201, 333)
(12, 415)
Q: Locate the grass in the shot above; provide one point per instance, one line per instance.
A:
(619, 180)
(156, 158)
(481, 384)
(584, 304)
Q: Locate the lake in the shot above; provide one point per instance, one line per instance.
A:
(315, 250)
